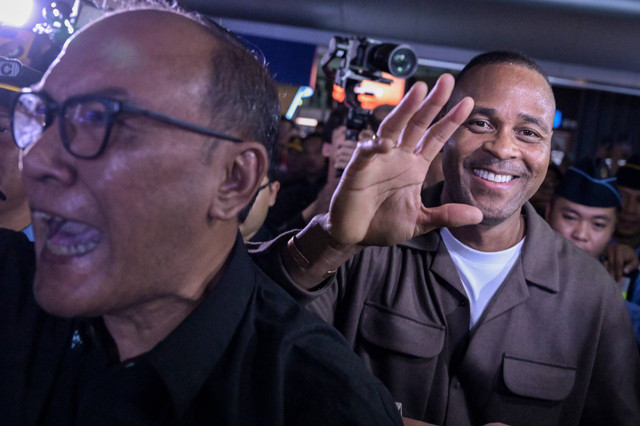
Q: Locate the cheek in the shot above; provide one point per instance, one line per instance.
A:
(9, 158)
(562, 227)
(600, 242)
(538, 160)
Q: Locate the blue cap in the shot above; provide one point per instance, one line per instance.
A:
(590, 184)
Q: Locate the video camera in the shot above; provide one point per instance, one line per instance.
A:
(349, 61)
(9, 67)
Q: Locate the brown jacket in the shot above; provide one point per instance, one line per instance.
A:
(553, 347)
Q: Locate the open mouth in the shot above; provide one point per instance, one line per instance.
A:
(492, 177)
(66, 237)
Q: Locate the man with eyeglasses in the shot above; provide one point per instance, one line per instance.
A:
(14, 208)
(141, 145)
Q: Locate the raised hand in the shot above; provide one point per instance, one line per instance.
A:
(620, 260)
(378, 199)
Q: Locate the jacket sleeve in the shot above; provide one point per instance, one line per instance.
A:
(321, 300)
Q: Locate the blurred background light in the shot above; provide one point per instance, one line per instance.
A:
(15, 13)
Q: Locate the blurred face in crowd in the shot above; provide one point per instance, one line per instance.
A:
(135, 228)
(498, 158)
(629, 218)
(590, 228)
(14, 213)
(313, 159)
(543, 195)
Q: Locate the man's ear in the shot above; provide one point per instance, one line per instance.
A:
(275, 187)
(243, 174)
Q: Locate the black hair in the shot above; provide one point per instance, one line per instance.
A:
(247, 101)
(496, 57)
(241, 92)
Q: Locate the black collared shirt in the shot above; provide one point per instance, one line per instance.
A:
(248, 354)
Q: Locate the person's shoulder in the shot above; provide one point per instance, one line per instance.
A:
(551, 258)
(335, 378)
(11, 240)
(582, 274)
(17, 256)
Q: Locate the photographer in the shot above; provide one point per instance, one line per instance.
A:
(14, 207)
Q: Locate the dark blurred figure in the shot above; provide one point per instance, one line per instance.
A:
(540, 200)
(297, 193)
(287, 131)
(14, 207)
(628, 227)
(292, 168)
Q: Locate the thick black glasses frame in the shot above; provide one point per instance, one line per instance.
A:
(113, 107)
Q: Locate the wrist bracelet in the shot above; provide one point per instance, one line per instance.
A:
(296, 254)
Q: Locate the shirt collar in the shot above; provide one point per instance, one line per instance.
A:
(537, 264)
(187, 357)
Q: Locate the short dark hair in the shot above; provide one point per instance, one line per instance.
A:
(497, 57)
(313, 135)
(242, 92)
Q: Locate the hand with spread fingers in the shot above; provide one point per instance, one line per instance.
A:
(378, 199)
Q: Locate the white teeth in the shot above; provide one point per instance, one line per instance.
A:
(70, 250)
(41, 215)
(68, 228)
(492, 176)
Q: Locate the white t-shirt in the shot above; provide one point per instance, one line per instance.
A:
(481, 272)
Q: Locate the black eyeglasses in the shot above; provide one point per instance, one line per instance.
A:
(261, 187)
(85, 121)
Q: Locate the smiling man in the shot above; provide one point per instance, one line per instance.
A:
(141, 145)
(492, 318)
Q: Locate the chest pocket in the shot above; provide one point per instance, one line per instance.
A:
(398, 333)
(536, 379)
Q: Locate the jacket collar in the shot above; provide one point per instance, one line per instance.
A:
(538, 265)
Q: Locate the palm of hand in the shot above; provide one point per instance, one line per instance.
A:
(379, 204)
(377, 201)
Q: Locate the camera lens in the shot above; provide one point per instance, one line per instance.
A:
(398, 60)
(402, 61)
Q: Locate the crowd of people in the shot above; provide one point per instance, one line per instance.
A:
(181, 275)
